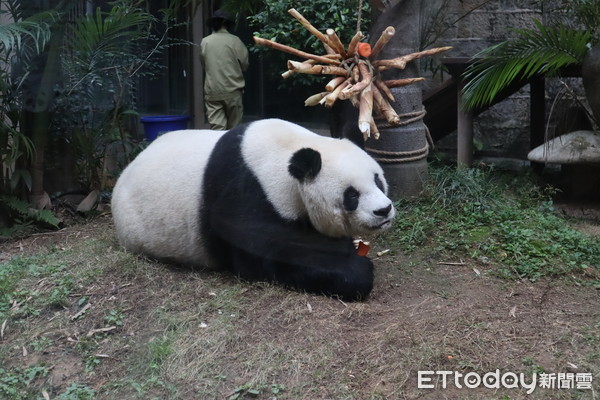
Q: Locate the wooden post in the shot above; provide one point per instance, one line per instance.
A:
(197, 92)
(464, 130)
(537, 118)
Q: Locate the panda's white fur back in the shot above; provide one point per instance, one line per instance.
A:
(155, 202)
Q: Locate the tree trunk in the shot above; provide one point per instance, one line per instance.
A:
(35, 122)
(590, 72)
(402, 150)
(35, 125)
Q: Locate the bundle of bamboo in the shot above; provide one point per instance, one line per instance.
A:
(357, 73)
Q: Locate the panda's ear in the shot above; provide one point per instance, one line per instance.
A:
(305, 164)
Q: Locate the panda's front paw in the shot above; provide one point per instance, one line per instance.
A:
(356, 281)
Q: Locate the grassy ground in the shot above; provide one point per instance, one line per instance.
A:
(477, 278)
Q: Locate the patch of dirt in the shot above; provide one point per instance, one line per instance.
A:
(63, 238)
(588, 212)
(425, 314)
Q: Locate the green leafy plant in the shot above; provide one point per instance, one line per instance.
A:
(497, 217)
(41, 343)
(542, 50)
(114, 318)
(250, 390)
(59, 295)
(23, 216)
(275, 23)
(78, 392)
(21, 44)
(105, 56)
(73, 81)
(244, 391)
(158, 351)
(15, 383)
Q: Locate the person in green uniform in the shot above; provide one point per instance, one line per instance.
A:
(224, 58)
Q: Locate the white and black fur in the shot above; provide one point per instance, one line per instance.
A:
(269, 201)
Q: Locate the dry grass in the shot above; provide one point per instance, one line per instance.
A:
(203, 335)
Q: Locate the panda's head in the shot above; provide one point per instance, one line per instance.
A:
(343, 190)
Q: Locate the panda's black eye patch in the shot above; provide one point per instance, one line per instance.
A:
(351, 197)
(379, 183)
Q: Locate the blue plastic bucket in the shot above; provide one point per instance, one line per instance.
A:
(156, 125)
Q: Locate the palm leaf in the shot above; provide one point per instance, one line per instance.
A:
(104, 34)
(544, 50)
(28, 36)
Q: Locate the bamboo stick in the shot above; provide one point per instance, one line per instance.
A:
(329, 50)
(382, 105)
(365, 111)
(332, 84)
(402, 82)
(366, 78)
(315, 99)
(355, 73)
(351, 51)
(374, 129)
(384, 89)
(291, 72)
(298, 66)
(333, 96)
(309, 27)
(291, 50)
(400, 62)
(306, 68)
(385, 37)
(336, 42)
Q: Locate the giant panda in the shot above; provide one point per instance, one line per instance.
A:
(268, 201)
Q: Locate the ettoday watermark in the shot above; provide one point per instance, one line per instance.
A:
(508, 380)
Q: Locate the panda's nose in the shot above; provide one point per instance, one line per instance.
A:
(383, 212)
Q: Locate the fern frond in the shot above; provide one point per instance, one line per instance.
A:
(26, 214)
(544, 50)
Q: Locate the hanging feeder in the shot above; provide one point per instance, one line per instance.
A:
(356, 72)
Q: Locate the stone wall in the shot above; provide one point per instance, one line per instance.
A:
(473, 25)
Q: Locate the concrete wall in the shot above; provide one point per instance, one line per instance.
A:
(473, 25)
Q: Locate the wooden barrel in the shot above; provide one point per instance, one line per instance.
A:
(402, 150)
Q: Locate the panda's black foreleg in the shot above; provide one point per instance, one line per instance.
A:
(350, 279)
(347, 276)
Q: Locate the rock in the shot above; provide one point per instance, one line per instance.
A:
(89, 202)
(41, 202)
(579, 147)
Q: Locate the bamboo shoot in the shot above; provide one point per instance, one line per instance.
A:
(291, 50)
(402, 82)
(309, 27)
(336, 43)
(382, 105)
(315, 99)
(351, 51)
(306, 68)
(385, 37)
(365, 112)
(332, 84)
(400, 62)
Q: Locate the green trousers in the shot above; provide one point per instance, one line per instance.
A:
(224, 114)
